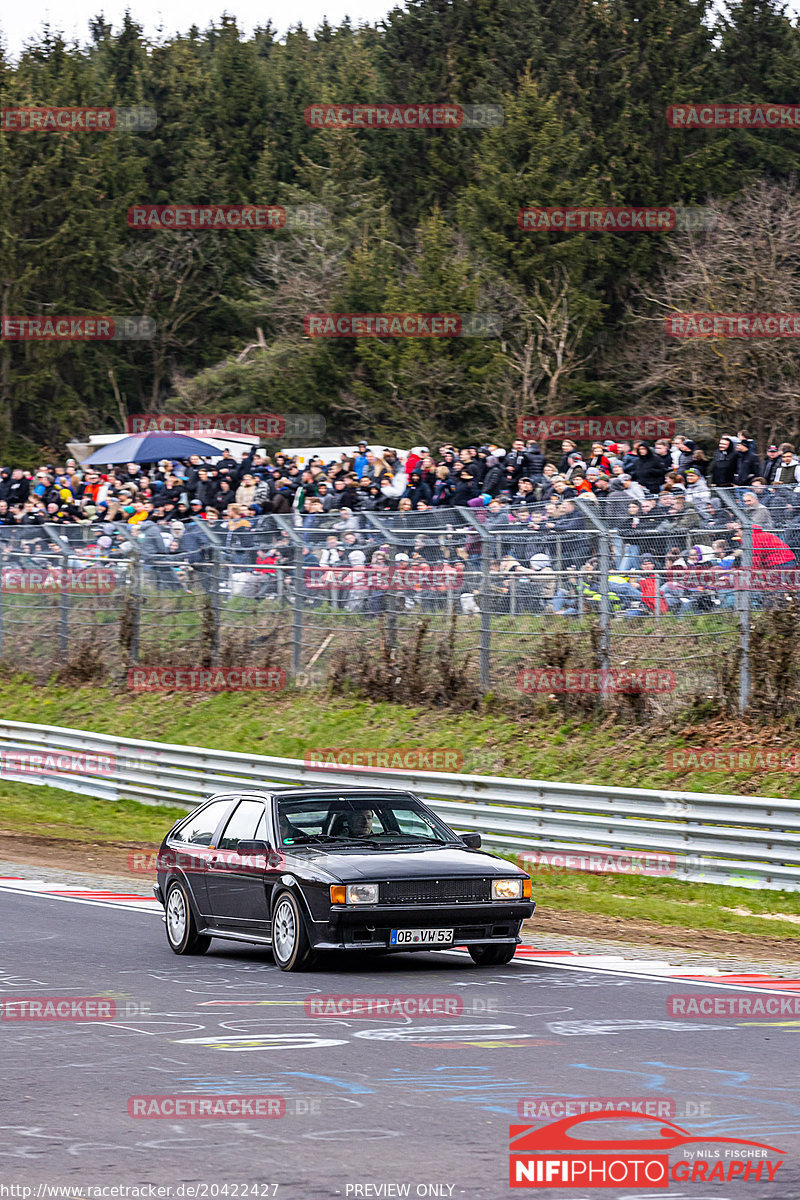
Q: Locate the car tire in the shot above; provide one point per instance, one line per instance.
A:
(181, 926)
(492, 956)
(291, 948)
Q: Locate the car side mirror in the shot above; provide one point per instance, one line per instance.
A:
(471, 840)
(257, 847)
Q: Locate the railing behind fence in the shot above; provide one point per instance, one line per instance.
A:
(587, 585)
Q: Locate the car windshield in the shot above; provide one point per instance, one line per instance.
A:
(367, 820)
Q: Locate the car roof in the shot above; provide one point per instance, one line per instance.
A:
(302, 792)
(311, 790)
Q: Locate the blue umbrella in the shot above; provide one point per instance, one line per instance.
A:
(150, 447)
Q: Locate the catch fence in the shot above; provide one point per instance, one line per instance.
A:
(522, 599)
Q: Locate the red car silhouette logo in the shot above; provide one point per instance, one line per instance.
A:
(557, 1137)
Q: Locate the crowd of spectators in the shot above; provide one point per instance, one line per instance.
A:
(656, 500)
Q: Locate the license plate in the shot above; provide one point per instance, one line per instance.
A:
(421, 937)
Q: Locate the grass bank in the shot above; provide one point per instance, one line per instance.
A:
(291, 723)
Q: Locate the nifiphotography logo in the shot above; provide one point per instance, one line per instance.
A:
(551, 1156)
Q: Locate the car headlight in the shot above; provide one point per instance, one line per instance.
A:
(355, 893)
(506, 889)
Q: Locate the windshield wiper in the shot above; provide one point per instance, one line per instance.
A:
(416, 842)
(327, 838)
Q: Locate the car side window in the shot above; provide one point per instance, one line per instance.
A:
(242, 824)
(199, 829)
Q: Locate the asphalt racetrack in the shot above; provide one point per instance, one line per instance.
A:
(372, 1106)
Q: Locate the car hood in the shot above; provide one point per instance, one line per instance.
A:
(410, 863)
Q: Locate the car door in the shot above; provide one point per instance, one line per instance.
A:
(193, 843)
(237, 883)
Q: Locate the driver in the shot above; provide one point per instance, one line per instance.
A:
(359, 823)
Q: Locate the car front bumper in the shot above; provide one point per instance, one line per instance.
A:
(363, 928)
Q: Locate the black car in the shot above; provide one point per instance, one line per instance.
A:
(301, 870)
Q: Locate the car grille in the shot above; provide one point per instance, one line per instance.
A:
(434, 891)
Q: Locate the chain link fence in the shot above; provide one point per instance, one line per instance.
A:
(569, 596)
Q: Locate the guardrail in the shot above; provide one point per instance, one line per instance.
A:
(744, 841)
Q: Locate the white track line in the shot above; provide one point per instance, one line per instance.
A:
(607, 964)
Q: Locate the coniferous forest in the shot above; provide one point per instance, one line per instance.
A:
(415, 221)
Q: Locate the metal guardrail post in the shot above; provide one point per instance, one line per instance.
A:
(136, 602)
(298, 601)
(56, 536)
(216, 603)
(604, 565)
(63, 623)
(391, 596)
(299, 589)
(485, 658)
(742, 595)
(136, 583)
